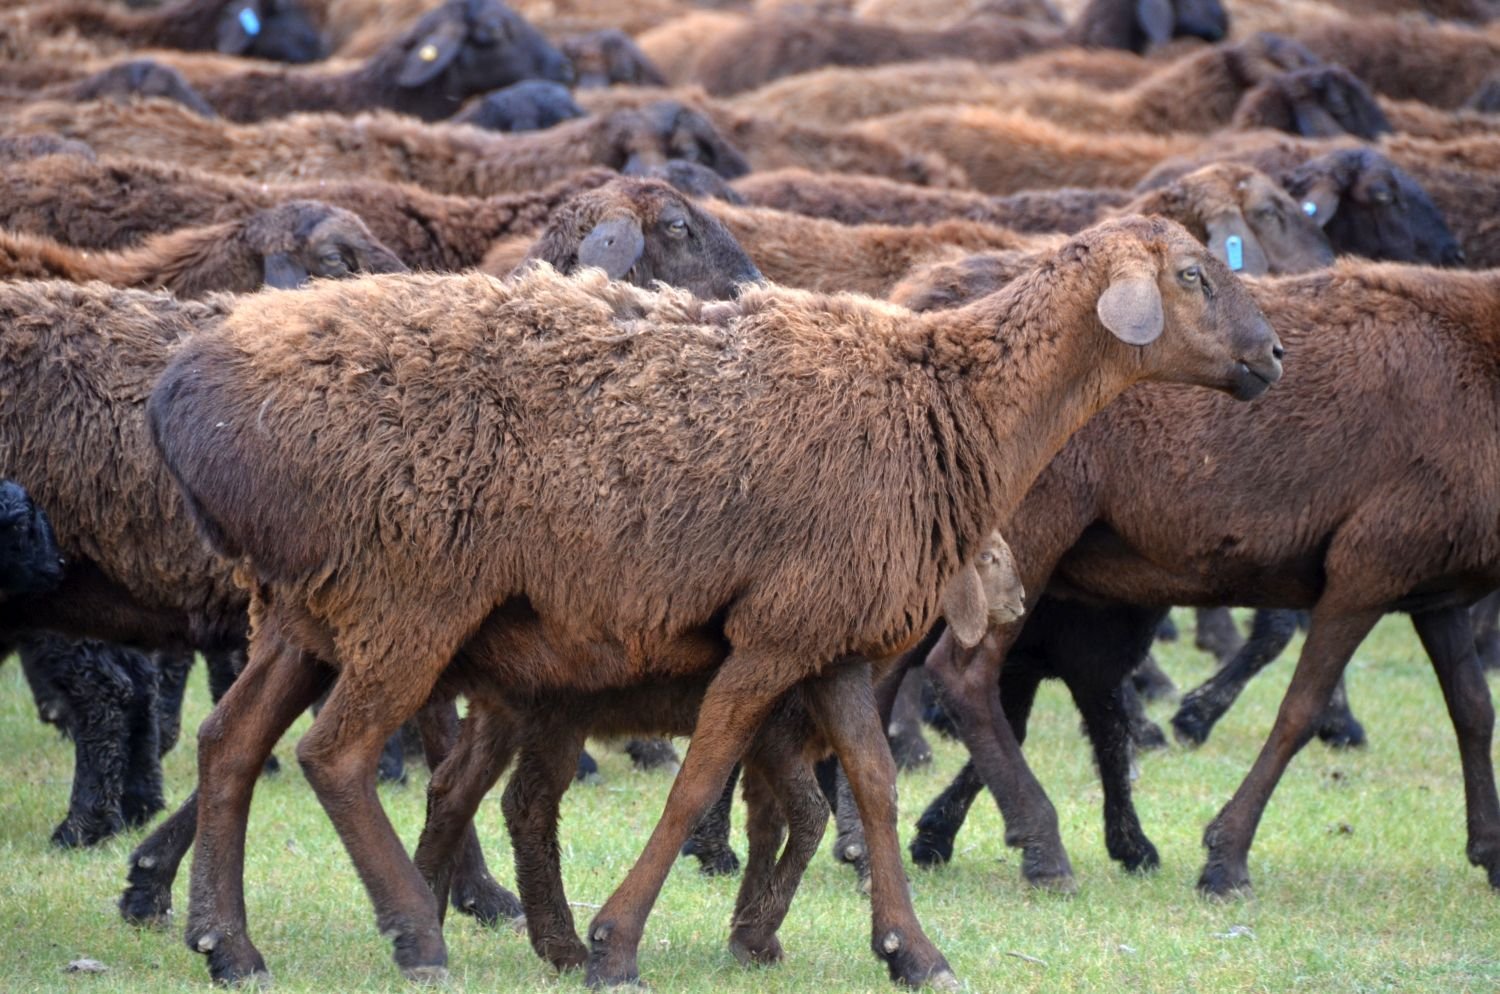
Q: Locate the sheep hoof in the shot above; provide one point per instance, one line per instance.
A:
(931, 849)
(144, 908)
(1343, 733)
(611, 960)
(425, 975)
(1138, 857)
(1048, 872)
(80, 833)
(228, 970)
(915, 964)
(944, 980)
(756, 952)
(713, 861)
(1060, 883)
(486, 901)
(1192, 724)
(1221, 882)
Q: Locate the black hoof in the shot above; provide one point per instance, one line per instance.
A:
(78, 833)
(1222, 882)
(486, 901)
(1148, 735)
(392, 769)
(716, 861)
(1139, 857)
(1191, 725)
(931, 849)
(652, 754)
(910, 750)
(1047, 871)
(271, 768)
(756, 950)
(147, 906)
(231, 967)
(1344, 734)
(139, 810)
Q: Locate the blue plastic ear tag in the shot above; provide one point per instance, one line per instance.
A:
(250, 21)
(1234, 252)
(1309, 208)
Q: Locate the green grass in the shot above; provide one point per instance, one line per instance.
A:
(1390, 905)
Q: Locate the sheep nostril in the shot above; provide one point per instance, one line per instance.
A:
(1277, 352)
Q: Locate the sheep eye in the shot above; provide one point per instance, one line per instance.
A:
(1190, 275)
(678, 227)
(986, 557)
(1382, 197)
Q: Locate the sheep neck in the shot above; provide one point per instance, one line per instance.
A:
(1026, 366)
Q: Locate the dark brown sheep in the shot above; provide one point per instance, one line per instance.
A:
(1324, 102)
(138, 78)
(116, 203)
(444, 158)
(767, 48)
(608, 57)
(279, 30)
(530, 105)
(608, 380)
(643, 231)
(1407, 58)
(1390, 464)
(458, 50)
(280, 247)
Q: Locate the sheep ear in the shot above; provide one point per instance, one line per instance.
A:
(282, 272)
(1243, 256)
(432, 54)
(239, 26)
(1312, 120)
(1130, 308)
(1320, 202)
(614, 246)
(965, 608)
(1156, 19)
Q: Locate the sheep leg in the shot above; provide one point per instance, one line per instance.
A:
(142, 796)
(710, 839)
(1338, 727)
(1485, 615)
(1332, 639)
(849, 844)
(147, 899)
(172, 670)
(1106, 715)
(98, 692)
(1201, 709)
(973, 693)
(736, 702)
(339, 756)
(1217, 634)
(843, 703)
(786, 781)
(532, 802)
(471, 890)
(276, 686)
(1449, 640)
(223, 667)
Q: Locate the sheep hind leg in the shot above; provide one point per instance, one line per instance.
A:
(532, 805)
(1332, 639)
(339, 756)
(738, 698)
(843, 703)
(98, 692)
(277, 684)
(710, 839)
(469, 887)
(1448, 638)
(780, 789)
(1202, 708)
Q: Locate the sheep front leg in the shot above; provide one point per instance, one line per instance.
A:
(1201, 709)
(710, 839)
(737, 701)
(1330, 642)
(1448, 638)
(277, 684)
(843, 703)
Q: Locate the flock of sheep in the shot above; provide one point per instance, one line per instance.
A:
(639, 370)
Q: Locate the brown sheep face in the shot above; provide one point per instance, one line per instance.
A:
(670, 130)
(1192, 319)
(605, 58)
(645, 232)
(29, 560)
(306, 239)
(1275, 235)
(986, 591)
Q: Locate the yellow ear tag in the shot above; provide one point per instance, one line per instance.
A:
(427, 53)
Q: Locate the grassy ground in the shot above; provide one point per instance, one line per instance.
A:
(1361, 880)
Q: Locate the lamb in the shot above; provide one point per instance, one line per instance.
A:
(281, 247)
(458, 50)
(30, 561)
(279, 30)
(612, 373)
(768, 48)
(117, 202)
(1372, 434)
(452, 159)
(136, 571)
(825, 256)
(530, 105)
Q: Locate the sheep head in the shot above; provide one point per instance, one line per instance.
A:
(986, 591)
(467, 47)
(1138, 25)
(692, 178)
(604, 58)
(671, 130)
(29, 559)
(305, 238)
(645, 231)
(1315, 103)
(530, 105)
(280, 30)
(1368, 206)
(142, 78)
(1190, 318)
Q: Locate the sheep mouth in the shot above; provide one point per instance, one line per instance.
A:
(1250, 382)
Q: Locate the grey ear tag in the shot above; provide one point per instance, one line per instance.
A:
(1234, 252)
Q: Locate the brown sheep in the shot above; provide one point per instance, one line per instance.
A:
(608, 380)
(852, 199)
(450, 159)
(115, 203)
(1407, 58)
(1393, 468)
(279, 30)
(1009, 152)
(825, 256)
(766, 48)
(455, 51)
(280, 247)
(607, 57)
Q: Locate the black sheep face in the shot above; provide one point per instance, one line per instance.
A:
(530, 105)
(29, 559)
(466, 47)
(305, 238)
(1326, 102)
(1206, 19)
(669, 130)
(1370, 207)
(143, 78)
(278, 30)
